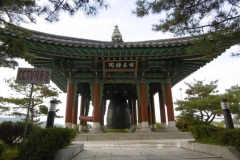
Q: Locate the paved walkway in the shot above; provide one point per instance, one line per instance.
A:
(139, 150)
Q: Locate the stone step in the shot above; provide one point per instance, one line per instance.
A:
(133, 136)
(69, 152)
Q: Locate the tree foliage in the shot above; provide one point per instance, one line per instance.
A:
(192, 16)
(218, 19)
(24, 11)
(13, 13)
(203, 101)
(233, 96)
(18, 106)
(186, 119)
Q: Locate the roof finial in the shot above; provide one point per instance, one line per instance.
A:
(116, 36)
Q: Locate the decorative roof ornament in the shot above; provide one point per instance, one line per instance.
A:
(116, 36)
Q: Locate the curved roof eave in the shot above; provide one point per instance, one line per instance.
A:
(42, 37)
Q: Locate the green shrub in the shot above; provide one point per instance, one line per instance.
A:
(216, 135)
(2, 147)
(231, 137)
(158, 125)
(43, 144)
(12, 132)
(205, 131)
(9, 153)
(6, 152)
(184, 130)
(186, 120)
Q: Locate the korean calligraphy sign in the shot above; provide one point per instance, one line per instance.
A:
(120, 66)
(33, 75)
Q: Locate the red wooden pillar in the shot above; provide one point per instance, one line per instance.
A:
(139, 117)
(170, 108)
(97, 128)
(86, 110)
(75, 113)
(81, 114)
(85, 127)
(130, 103)
(102, 113)
(162, 109)
(69, 104)
(134, 115)
(144, 109)
(153, 112)
(149, 115)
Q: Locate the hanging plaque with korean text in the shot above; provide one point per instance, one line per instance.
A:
(120, 66)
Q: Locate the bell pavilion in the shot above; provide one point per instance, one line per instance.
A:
(126, 73)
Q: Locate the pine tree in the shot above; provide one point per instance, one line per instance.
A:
(13, 13)
(203, 101)
(212, 20)
(17, 104)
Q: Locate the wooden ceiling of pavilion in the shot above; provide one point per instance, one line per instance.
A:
(81, 58)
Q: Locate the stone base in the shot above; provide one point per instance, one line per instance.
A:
(103, 129)
(132, 130)
(163, 130)
(97, 128)
(96, 131)
(68, 125)
(163, 125)
(145, 130)
(80, 129)
(83, 132)
(154, 129)
(74, 126)
(137, 130)
(172, 129)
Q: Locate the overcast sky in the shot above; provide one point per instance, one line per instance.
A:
(225, 68)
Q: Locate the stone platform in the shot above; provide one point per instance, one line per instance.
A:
(164, 149)
(226, 152)
(133, 136)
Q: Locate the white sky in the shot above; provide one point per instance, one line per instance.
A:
(225, 68)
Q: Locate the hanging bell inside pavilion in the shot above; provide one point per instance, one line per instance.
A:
(118, 114)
